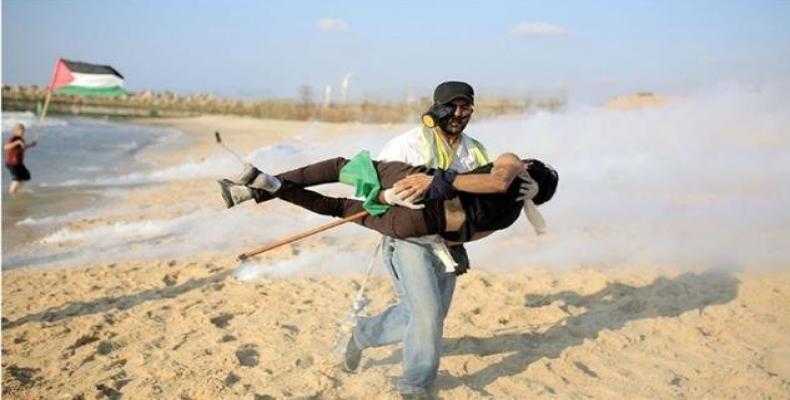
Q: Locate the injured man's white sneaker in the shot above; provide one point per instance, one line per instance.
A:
(247, 174)
(266, 182)
(232, 193)
(255, 178)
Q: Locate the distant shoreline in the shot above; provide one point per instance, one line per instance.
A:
(169, 105)
(59, 202)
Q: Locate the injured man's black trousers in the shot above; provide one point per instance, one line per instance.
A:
(397, 222)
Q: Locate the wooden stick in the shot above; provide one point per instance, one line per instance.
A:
(46, 101)
(302, 235)
(43, 114)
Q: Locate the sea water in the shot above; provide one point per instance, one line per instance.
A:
(71, 153)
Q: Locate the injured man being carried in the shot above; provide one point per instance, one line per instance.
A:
(458, 207)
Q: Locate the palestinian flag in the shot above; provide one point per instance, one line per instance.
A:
(83, 79)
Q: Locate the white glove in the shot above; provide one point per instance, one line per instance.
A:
(528, 190)
(534, 217)
(392, 199)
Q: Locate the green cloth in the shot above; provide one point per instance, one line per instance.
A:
(360, 173)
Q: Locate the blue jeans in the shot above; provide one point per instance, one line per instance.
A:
(425, 291)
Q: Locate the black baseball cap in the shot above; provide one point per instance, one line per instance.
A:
(451, 90)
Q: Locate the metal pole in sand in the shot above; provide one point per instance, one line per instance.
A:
(302, 235)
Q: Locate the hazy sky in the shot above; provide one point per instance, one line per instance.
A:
(592, 49)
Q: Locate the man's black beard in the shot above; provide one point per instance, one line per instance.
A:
(454, 131)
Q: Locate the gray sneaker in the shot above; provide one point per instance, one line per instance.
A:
(247, 175)
(256, 179)
(352, 356)
(232, 193)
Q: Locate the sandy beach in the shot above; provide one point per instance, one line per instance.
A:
(183, 326)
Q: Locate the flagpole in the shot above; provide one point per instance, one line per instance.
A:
(46, 102)
(43, 114)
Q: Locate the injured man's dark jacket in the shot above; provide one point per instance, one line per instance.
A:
(483, 211)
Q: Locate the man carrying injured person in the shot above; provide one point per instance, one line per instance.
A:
(456, 208)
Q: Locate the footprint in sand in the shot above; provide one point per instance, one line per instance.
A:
(25, 376)
(221, 320)
(291, 330)
(247, 355)
(231, 379)
(228, 338)
(106, 347)
(170, 279)
(108, 392)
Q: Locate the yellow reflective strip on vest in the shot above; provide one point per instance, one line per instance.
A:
(427, 149)
(445, 159)
(480, 153)
(480, 157)
(437, 151)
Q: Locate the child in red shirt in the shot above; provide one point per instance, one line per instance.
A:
(15, 158)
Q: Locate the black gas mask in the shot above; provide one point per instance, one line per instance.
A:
(437, 114)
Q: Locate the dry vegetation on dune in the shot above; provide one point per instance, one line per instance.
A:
(167, 104)
(638, 100)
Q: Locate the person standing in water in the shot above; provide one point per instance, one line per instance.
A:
(15, 158)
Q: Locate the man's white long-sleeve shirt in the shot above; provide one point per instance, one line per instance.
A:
(423, 146)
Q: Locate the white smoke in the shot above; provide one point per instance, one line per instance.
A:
(313, 262)
(701, 182)
(210, 229)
